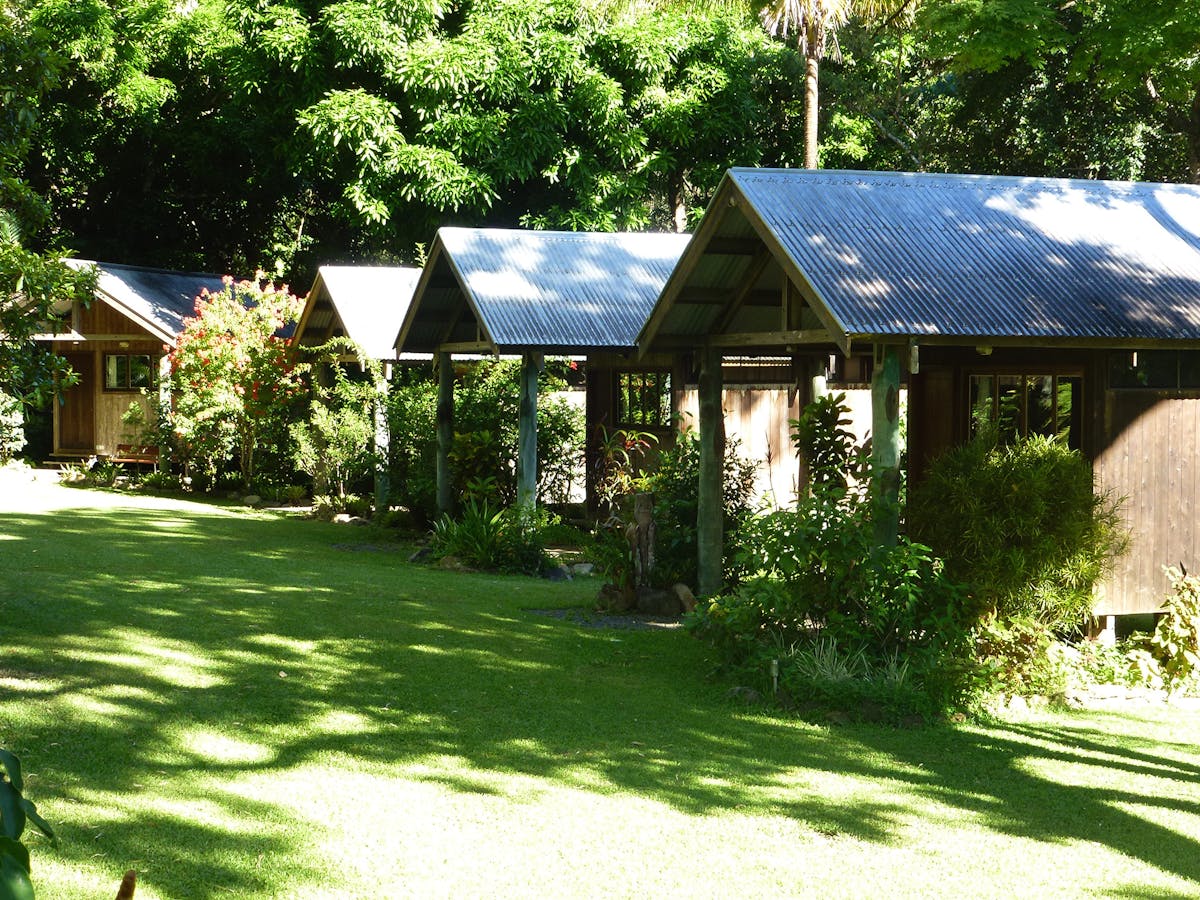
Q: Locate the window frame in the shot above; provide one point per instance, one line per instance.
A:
(125, 379)
(634, 408)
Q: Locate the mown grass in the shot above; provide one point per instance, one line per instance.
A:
(238, 704)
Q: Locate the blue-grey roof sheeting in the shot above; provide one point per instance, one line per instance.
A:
(549, 290)
(369, 301)
(987, 256)
(157, 299)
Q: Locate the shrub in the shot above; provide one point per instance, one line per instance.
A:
(1021, 525)
(674, 485)
(232, 382)
(1176, 639)
(814, 572)
(336, 444)
(12, 430)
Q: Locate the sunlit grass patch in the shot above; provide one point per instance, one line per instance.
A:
(234, 707)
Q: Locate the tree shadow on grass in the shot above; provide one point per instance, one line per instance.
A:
(161, 645)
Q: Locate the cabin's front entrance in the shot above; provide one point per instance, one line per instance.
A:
(77, 407)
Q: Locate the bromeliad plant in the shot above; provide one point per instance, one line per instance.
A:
(15, 811)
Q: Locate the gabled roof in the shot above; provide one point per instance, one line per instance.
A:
(943, 258)
(501, 290)
(367, 304)
(156, 299)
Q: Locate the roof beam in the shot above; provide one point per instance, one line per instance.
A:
(757, 266)
(734, 246)
(772, 338)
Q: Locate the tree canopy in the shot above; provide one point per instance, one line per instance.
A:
(229, 135)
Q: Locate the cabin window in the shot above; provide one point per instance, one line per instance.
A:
(644, 399)
(128, 371)
(1161, 369)
(1021, 405)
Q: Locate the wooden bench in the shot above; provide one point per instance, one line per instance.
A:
(136, 454)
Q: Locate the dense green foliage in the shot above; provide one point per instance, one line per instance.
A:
(483, 460)
(825, 608)
(231, 134)
(1021, 525)
(335, 443)
(673, 482)
(232, 383)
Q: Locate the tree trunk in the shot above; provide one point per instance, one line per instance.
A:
(811, 108)
(1192, 136)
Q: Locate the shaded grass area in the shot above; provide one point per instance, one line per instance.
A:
(239, 704)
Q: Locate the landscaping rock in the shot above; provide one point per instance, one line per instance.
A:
(453, 563)
(422, 554)
(655, 602)
(583, 568)
(347, 519)
(614, 599)
(687, 600)
(558, 573)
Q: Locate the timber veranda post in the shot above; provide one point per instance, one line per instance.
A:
(710, 537)
(885, 442)
(531, 367)
(445, 431)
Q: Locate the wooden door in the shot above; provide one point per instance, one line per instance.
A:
(77, 413)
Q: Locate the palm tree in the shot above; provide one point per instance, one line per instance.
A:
(814, 25)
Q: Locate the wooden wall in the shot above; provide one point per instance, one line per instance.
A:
(1149, 458)
(759, 418)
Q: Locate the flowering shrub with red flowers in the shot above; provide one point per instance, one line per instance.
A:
(231, 380)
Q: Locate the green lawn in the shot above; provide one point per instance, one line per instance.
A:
(238, 704)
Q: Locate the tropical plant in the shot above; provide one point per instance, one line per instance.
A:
(673, 482)
(1176, 639)
(813, 25)
(16, 810)
(488, 538)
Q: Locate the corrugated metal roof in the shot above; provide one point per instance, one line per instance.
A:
(369, 301)
(157, 299)
(548, 290)
(987, 256)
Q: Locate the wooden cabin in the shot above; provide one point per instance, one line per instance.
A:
(117, 345)
(1057, 306)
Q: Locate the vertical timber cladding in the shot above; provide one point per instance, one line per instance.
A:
(1148, 457)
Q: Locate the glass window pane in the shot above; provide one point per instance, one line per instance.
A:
(1009, 419)
(1189, 368)
(139, 371)
(114, 371)
(1069, 411)
(1039, 404)
(983, 396)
